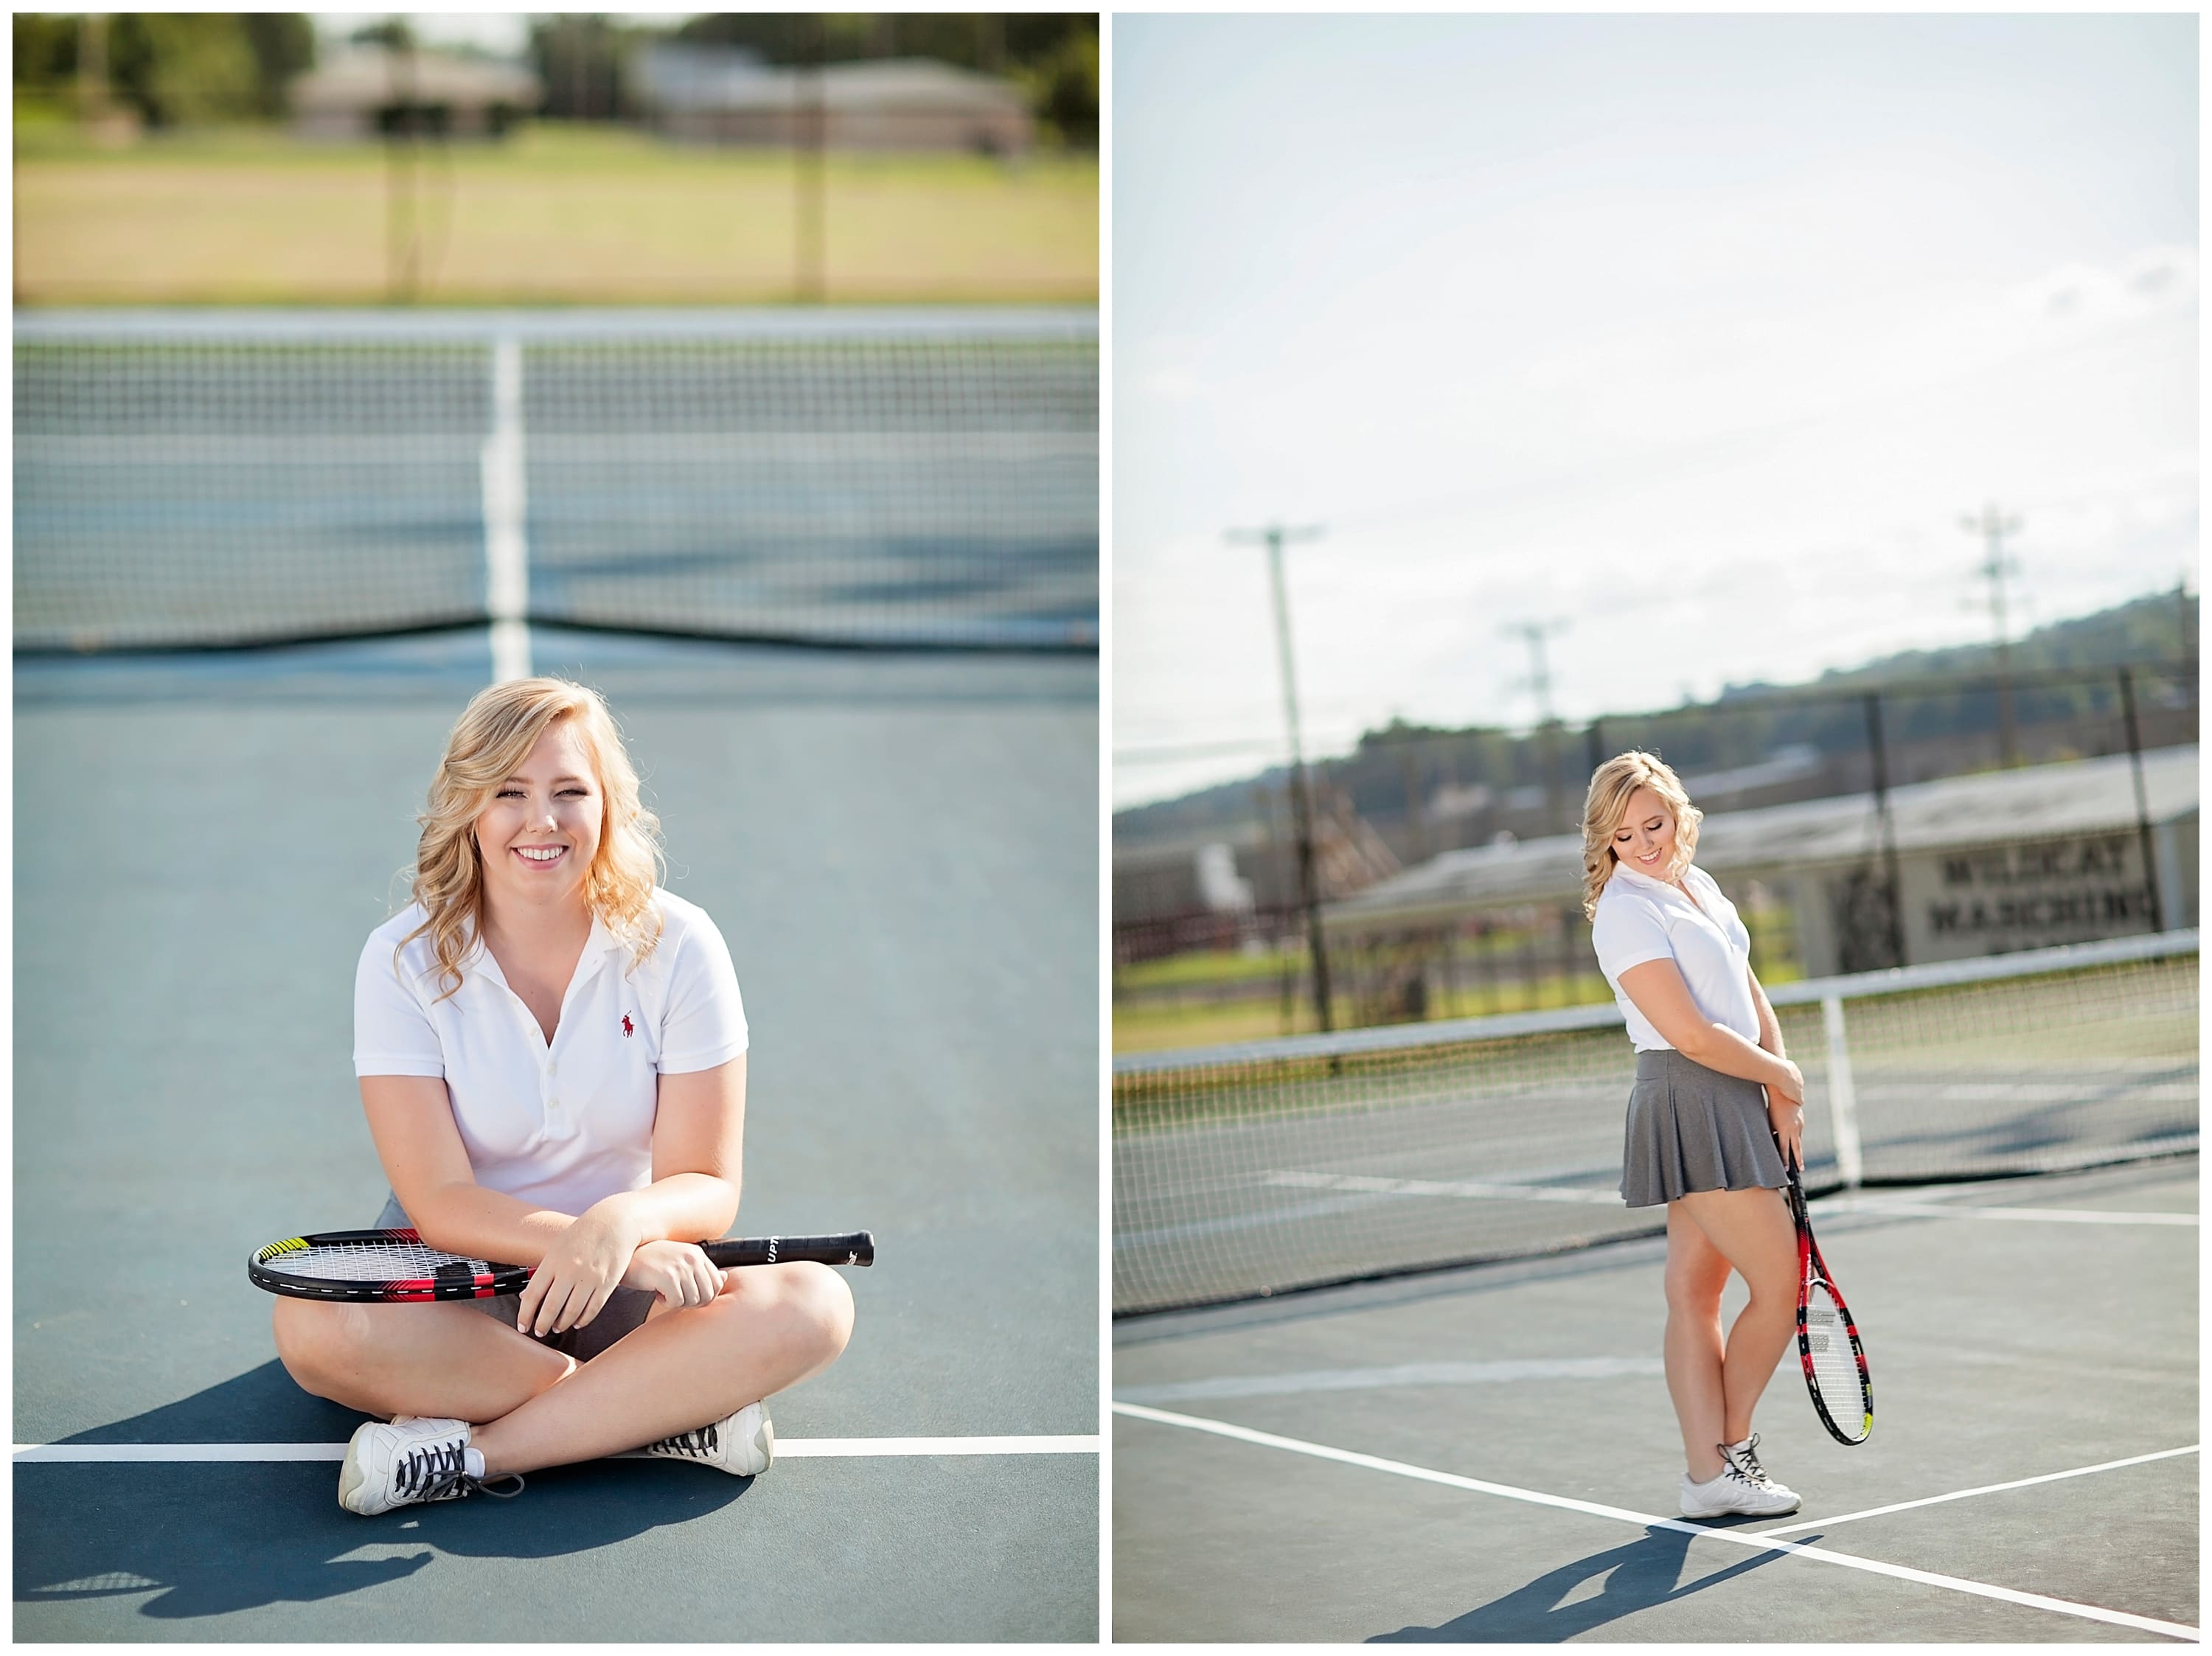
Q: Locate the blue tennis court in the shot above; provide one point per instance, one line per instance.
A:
(836, 575)
(1488, 1454)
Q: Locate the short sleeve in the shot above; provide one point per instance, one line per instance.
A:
(392, 1034)
(706, 1021)
(1626, 931)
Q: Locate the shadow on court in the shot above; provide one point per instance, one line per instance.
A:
(1636, 1576)
(96, 1531)
(267, 1396)
(89, 1531)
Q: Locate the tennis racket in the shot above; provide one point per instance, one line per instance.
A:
(1827, 1339)
(399, 1265)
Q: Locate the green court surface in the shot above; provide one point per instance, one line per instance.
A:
(901, 851)
(1488, 1455)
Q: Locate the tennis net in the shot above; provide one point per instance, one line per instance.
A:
(1245, 1171)
(898, 479)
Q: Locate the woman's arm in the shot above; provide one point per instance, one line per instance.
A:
(637, 1238)
(1785, 1112)
(411, 1119)
(1770, 1029)
(698, 1157)
(1658, 992)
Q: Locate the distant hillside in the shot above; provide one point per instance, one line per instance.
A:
(2161, 628)
(1501, 777)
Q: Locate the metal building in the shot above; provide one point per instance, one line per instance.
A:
(1985, 865)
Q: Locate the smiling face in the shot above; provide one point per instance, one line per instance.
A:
(1645, 838)
(540, 833)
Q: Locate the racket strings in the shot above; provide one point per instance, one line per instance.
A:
(377, 1262)
(1827, 1337)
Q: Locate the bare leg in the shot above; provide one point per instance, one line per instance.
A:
(447, 1362)
(1696, 1274)
(1752, 1230)
(770, 1328)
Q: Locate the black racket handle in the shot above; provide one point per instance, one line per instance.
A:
(857, 1249)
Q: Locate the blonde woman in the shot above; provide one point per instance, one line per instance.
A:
(552, 1053)
(1717, 1106)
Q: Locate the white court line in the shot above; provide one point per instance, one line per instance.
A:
(1986, 1488)
(1371, 1185)
(785, 1448)
(2060, 1215)
(1478, 1190)
(1743, 1539)
(1404, 1373)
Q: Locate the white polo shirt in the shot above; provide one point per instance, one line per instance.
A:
(569, 1123)
(1639, 919)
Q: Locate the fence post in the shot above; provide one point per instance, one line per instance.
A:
(1843, 1097)
(1877, 749)
(2142, 801)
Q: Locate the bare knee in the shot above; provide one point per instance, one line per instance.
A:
(806, 1306)
(1774, 1293)
(818, 1310)
(1695, 1294)
(318, 1342)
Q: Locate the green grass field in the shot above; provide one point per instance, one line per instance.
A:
(554, 215)
(1141, 1026)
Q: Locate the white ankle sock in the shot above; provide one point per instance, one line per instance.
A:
(473, 1460)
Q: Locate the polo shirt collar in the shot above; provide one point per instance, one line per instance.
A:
(1638, 877)
(597, 947)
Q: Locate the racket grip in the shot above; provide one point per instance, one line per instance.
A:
(858, 1248)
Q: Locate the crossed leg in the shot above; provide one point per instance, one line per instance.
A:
(1716, 1385)
(770, 1328)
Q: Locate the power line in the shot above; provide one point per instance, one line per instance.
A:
(1547, 726)
(1994, 567)
(1272, 538)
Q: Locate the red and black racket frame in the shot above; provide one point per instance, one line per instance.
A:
(482, 1279)
(1812, 1268)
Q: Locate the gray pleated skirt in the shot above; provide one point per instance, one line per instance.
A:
(1690, 1128)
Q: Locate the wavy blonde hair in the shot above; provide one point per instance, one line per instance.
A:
(1606, 804)
(489, 743)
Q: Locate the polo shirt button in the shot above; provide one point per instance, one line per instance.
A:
(552, 1068)
(552, 1103)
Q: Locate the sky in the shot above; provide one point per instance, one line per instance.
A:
(1691, 339)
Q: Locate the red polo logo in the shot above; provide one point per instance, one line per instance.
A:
(628, 1029)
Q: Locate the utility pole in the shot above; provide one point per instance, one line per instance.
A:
(812, 281)
(1547, 729)
(1417, 840)
(92, 68)
(1994, 567)
(1272, 538)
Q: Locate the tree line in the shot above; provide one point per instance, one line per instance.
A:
(1747, 723)
(180, 69)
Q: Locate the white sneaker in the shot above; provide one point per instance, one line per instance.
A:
(412, 1459)
(1733, 1493)
(741, 1445)
(1744, 1457)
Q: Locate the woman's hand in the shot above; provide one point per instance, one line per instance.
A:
(1787, 1117)
(679, 1272)
(578, 1274)
(1792, 1089)
(1785, 1112)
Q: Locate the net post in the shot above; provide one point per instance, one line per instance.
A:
(1842, 1098)
(507, 564)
